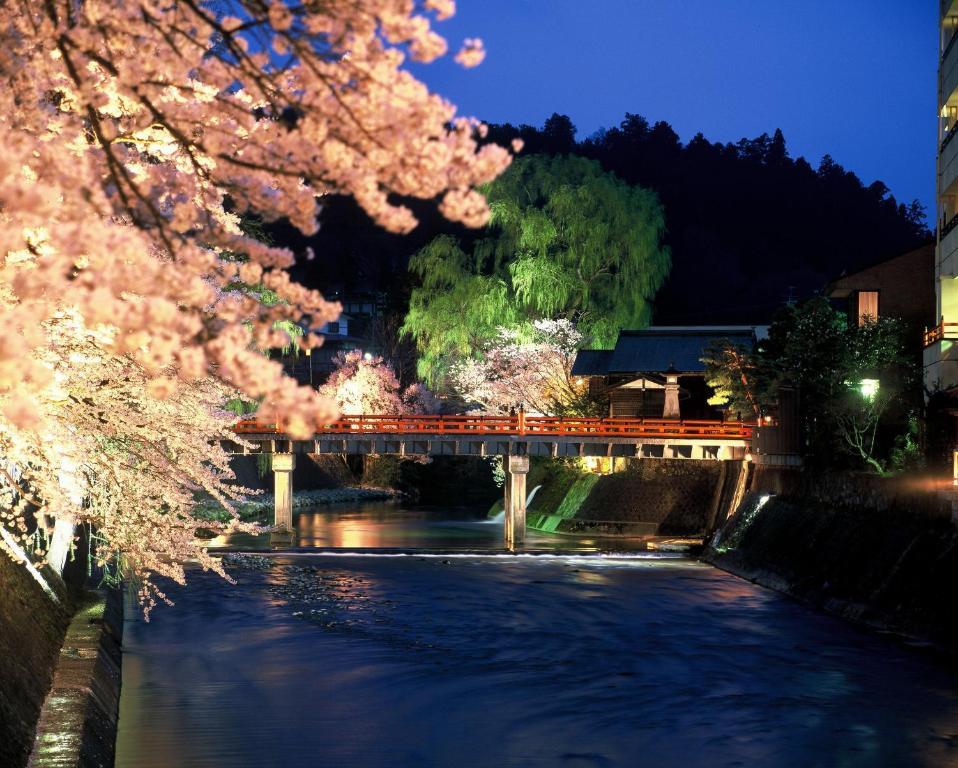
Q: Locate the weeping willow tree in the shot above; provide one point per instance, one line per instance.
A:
(565, 240)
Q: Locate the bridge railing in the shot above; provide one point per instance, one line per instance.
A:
(520, 424)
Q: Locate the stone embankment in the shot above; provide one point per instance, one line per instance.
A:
(321, 497)
(78, 723)
(880, 551)
(32, 626)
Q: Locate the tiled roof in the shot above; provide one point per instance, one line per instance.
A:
(659, 349)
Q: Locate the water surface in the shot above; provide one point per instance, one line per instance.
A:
(378, 525)
(339, 659)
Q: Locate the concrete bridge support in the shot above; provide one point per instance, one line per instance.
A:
(283, 465)
(517, 467)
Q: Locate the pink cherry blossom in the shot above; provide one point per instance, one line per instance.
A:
(472, 53)
(136, 135)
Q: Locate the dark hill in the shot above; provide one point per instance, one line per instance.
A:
(749, 226)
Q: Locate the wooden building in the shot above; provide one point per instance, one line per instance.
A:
(658, 372)
(902, 287)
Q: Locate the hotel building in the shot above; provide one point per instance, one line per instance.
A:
(941, 341)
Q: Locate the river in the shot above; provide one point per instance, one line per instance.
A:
(449, 655)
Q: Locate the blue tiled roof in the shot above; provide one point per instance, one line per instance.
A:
(655, 350)
(591, 362)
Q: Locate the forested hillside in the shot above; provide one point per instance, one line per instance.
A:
(748, 225)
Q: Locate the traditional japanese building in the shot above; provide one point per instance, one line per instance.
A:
(658, 372)
(902, 287)
(354, 329)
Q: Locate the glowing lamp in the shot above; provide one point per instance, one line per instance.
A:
(868, 388)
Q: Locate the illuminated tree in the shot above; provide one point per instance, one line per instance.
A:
(367, 384)
(535, 374)
(565, 241)
(362, 385)
(858, 414)
(857, 384)
(121, 449)
(733, 374)
(135, 136)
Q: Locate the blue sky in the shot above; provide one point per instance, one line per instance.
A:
(850, 78)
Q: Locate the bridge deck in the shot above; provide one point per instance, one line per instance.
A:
(509, 435)
(513, 426)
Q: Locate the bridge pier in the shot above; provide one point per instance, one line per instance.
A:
(283, 465)
(517, 467)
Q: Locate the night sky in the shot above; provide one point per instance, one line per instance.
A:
(850, 78)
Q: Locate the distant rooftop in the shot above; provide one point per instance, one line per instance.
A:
(660, 348)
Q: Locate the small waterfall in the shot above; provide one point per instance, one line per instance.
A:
(532, 495)
(500, 518)
(729, 535)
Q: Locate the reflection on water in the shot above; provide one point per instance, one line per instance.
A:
(497, 660)
(390, 525)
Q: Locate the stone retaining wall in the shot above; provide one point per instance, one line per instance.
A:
(32, 626)
(882, 551)
(645, 497)
(77, 726)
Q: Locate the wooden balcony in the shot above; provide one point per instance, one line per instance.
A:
(941, 331)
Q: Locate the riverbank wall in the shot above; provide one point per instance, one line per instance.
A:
(633, 497)
(440, 480)
(78, 723)
(32, 627)
(879, 551)
(312, 472)
(450, 481)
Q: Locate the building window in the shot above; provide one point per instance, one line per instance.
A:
(867, 306)
(332, 328)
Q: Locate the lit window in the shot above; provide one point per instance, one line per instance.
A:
(867, 306)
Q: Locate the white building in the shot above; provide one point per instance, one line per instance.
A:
(941, 342)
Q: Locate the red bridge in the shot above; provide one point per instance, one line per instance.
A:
(519, 425)
(515, 438)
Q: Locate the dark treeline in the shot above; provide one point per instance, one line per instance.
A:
(749, 226)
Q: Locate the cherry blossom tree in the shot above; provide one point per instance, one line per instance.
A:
(136, 133)
(366, 384)
(114, 451)
(527, 367)
(362, 384)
